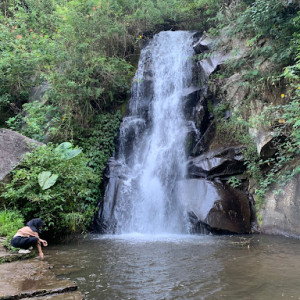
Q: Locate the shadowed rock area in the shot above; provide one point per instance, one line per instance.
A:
(222, 162)
(218, 208)
(65, 296)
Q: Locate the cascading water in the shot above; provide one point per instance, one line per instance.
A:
(141, 193)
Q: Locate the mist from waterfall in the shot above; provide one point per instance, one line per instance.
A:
(151, 157)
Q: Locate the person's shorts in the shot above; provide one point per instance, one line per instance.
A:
(24, 242)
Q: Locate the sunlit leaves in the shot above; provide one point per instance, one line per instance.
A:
(66, 152)
(46, 180)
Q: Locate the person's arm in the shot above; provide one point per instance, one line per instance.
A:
(40, 250)
(43, 242)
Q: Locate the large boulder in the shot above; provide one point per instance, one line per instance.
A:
(203, 44)
(281, 213)
(265, 142)
(222, 162)
(13, 146)
(220, 208)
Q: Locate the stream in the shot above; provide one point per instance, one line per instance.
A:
(138, 266)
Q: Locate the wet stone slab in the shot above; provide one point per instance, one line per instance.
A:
(65, 296)
(32, 278)
(6, 256)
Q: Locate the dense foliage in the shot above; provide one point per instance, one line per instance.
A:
(10, 222)
(55, 184)
(86, 52)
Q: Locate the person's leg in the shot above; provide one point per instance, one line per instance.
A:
(29, 242)
(24, 242)
(16, 242)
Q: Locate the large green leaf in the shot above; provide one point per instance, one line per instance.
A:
(71, 153)
(63, 147)
(46, 180)
(66, 151)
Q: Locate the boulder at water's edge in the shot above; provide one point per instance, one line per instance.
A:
(281, 212)
(222, 208)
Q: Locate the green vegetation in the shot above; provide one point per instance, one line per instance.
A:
(10, 222)
(55, 184)
(271, 72)
(38, 121)
(86, 52)
(284, 121)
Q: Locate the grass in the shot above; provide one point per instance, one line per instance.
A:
(10, 222)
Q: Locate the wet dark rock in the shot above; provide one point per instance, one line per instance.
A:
(203, 143)
(142, 89)
(215, 207)
(192, 137)
(201, 116)
(222, 162)
(104, 219)
(13, 146)
(197, 225)
(203, 44)
(65, 296)
(195, 110)
(191, 98)
(131, 130)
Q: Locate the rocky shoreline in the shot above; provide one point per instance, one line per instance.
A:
(23, 276)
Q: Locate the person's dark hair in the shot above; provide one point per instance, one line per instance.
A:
(35, 224)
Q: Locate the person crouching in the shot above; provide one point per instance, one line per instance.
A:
(28, 236)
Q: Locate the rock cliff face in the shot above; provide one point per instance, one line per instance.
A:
(280, 212)
(212, 205)
(210, 202)
(12, 148)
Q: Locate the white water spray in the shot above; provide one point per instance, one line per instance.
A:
(151, 159)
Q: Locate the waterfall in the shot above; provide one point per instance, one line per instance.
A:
(150, 160)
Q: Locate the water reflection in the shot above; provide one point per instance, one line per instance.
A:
(180, 267)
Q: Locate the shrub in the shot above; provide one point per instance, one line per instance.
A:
(98, 142)
(274, 20)
(10, 222)
(38, 121)
(52, 183)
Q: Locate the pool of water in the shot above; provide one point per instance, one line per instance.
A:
(180, 266)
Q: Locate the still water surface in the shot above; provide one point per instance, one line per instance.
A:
(180, 266)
